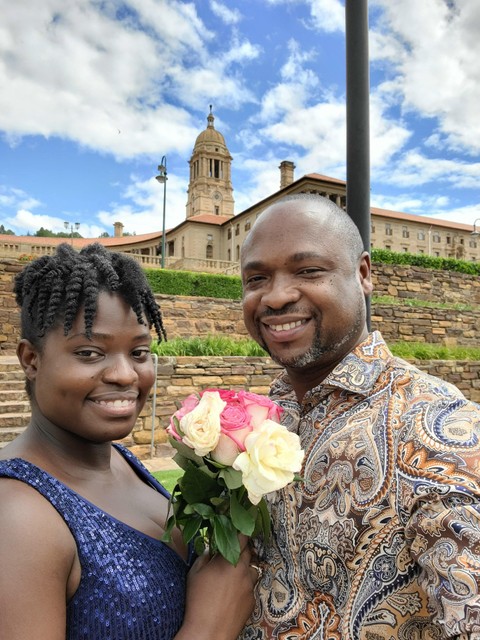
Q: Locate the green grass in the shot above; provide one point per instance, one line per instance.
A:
(412, 302)
(425, 351)
(208, 346)
(168, 478)
(225, 346)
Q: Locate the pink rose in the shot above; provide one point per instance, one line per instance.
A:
(260, 408)
(187, 405)
(235, 425)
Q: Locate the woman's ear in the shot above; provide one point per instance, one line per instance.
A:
(28, 357)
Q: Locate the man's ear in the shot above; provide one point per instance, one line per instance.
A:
(28, 357)
(364, 270)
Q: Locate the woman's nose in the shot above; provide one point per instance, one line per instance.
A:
(120, 370)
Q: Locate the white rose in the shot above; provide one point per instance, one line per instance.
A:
(270, 461)
(201, 426)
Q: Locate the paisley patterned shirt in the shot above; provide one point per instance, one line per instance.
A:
(382, 539)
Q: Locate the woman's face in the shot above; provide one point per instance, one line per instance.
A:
(95, 387)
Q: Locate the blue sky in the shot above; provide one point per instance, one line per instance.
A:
(95, 92)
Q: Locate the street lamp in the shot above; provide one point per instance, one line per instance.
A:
(162, 178)
(475, 232)
(69, 224)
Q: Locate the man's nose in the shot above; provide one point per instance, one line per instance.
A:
(280, 292)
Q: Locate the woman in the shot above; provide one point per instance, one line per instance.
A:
(81, 520)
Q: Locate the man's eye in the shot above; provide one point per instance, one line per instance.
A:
(254, 279)
(311, 270)
(141, 354)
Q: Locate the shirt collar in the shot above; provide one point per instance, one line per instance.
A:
(356, 373)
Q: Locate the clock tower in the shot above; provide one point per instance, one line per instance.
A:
(210, 187)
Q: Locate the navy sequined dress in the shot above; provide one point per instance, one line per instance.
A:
(132, 586)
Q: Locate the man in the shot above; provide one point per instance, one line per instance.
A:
(382, 539)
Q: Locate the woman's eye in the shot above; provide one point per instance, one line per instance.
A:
(87, 354)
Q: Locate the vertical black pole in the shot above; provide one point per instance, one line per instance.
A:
(358, 119)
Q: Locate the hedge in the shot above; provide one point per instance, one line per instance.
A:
(212, 285)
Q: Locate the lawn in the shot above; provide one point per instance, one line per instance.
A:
(168, 478)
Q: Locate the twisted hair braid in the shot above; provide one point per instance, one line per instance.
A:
(51, 290)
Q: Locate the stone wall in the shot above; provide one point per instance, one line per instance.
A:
(181, 376)
(189, 316)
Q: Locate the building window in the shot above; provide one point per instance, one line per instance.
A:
(405, 232)
(436, 237)
(372, 229)
(473, 244)
(421, 251)
(237, 229)
(247, 225)
(388, 229)
(217, 210)
(209, 252)
(436, 254)
(388, 247)
(229, 254)
(229, 233)
(209, 238)
(421, 235)
(449, 240)
(238, 252)
(405, 249)
(462, 241)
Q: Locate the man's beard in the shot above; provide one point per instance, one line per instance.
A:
(317, 350)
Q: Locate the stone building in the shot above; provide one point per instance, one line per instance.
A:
(210, 237)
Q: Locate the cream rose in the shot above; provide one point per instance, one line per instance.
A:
(201, 426)
(271, 458)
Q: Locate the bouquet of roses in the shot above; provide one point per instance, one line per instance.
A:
(233, 452)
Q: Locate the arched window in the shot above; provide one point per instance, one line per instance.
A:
(209, 252)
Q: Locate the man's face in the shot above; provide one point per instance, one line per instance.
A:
(303, 297)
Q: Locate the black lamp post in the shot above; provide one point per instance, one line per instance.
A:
(162, 178)
(71, 225)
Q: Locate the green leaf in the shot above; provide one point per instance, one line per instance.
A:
(263, 524)
(232, 477)
(226, 539)
(199, 545)
(185, 451)
(243, 520)
(191, 528)
(198, 486)
(204, 510)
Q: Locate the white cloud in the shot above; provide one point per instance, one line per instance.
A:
(433, 47)
(112, 83)
(229, 16)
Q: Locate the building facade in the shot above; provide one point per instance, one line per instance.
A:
(210, 237)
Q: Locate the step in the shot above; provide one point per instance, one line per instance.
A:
(12, 385)
(14, 374)
(9, 421)
(12, 406)
(10, 433)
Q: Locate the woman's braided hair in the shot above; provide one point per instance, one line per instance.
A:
(51, 290)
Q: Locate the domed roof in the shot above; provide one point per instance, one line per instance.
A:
(210, 134)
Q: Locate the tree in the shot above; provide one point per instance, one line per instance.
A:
(6, 232)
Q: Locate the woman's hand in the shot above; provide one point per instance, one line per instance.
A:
(219, 597)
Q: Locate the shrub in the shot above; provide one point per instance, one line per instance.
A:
(189, 283)
(208, 346)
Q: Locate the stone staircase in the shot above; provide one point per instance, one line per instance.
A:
(14, 403)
